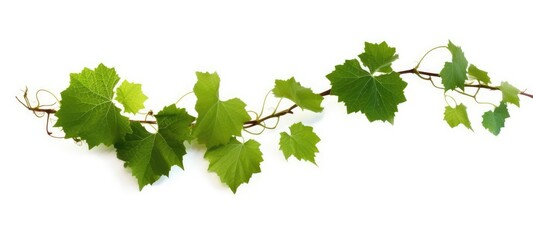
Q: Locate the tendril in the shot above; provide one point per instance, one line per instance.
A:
(148, 114)
(48, 92)
(183, 96)
(264, 103)
(417, 73)
(273, 127)
(477, 92)
(422, 59)
(38, 111)
(50, 133)
(277, 106)
(446, 96)
(255, 113)
(254, 133)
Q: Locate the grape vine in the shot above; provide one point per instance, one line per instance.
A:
(368, 84)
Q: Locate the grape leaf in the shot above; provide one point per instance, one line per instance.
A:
(217, 120)
(377, 97)
(510, 93)
(131, 96)
(152, 155)
(478, 74)
(87, 110)
(174, 124)
(494, 121)
(454, 73)
(378, 57)
(301, 143)
(456, 116)
(301, 96)
(235, 162)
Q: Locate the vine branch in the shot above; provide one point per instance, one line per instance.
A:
(49, 111)
(275, 114)
(256, 122)
(430, 74)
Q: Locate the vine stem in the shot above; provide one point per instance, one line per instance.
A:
(415, 71)
(53, 111)
(253, 123)
(49, 111)
(289, 110)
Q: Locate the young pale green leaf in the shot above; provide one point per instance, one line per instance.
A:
(301, 96)
(235, 162)
(377, 97)
(87, 110)
(378, 57)
(131, 96)
(456, 116)
(510, 93)
(217, 120)
(301, 143)
(152, 155)
(478, 74)
(494, 121)
(454, 73)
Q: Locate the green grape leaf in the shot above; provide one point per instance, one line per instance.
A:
(301, 96)
(377, 97)
(454, 73)
(217, 120)
(235, 162)
(174, 124)
(456, 116)
(510, 93)
(151, 155)
(301, 143)
(87, 110)
(494, 121)
(131, 96)
(478, 74)
(378, 57)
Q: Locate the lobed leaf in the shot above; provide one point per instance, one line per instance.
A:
(378, 57)
(151, 155)
(478, 74)
(377, 97)
(454, 73)
(87, 110)
(301, 143)
(494, 121)
(456, 116)
(301, 96)
(235, 162)
(217, 120)
(131, 96)
(510, 94)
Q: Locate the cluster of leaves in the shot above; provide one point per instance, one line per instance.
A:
(457, 74)
(378, 90)
(88, 112)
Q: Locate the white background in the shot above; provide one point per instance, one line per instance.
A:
(418, 179)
